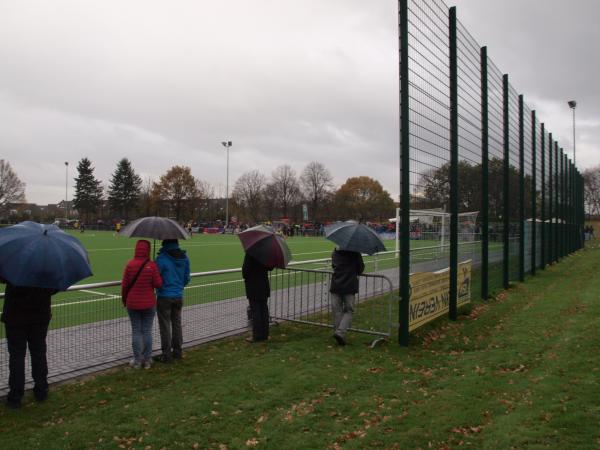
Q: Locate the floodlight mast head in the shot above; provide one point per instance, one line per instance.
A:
(572, 104)
(226, 143)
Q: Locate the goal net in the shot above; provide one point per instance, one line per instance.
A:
(432, 226)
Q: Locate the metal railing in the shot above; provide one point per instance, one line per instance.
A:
(90, 330)
(302, 295)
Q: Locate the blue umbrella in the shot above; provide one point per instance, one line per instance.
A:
(355, 237)
(32, 254)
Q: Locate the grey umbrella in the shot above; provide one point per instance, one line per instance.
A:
(355, 237)
(155, 228)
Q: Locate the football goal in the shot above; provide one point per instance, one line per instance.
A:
(432, 226)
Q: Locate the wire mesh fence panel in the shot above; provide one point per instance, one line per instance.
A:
(495, 177)
(429, 132)
(470, 168)
(514, 177)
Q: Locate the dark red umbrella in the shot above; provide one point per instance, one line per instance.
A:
(265, 246)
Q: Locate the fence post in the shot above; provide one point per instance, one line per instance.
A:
(562, 204)
(485, 218)
(452, 310)
(403, 333)
(573, 222)
(557, 207)
(581, 211)
(533, 192)
(506, 181)
(521, 193)
(543, 212)
(550, 201)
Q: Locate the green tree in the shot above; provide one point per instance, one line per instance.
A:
(363, 198)
(177, 192)
(124, 189)
(12, 189)
(88, 190)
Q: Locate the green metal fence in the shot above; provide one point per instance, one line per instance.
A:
(470, 143)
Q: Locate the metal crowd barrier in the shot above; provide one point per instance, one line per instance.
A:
(302, 295)
(90, 330)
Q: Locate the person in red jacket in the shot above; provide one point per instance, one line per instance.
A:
(140, 278)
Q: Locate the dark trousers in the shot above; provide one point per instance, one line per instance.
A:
(260, 319)
(18, 338)
(169, 323)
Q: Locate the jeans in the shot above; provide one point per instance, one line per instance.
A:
(141, 333)
(169, 323)
(342, 306)
(18, 338)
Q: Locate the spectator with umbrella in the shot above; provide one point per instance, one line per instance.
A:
(174, 267)
(140, 277)
(352, 239)
(264, 251)
(36, 261)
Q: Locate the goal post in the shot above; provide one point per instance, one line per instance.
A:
(434, 225)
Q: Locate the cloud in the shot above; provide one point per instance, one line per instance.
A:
(288, 82)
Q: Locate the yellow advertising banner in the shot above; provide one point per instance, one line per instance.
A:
(430, 294)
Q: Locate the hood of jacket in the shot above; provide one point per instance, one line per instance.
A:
(172, 250)
(142, 249)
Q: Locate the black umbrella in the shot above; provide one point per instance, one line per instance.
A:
(155, 228)
(32, 254)
(355, 237)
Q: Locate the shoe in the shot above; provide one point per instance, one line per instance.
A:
(339, 339)
(163, 359)
(135, 363)
(147, 363)
(40, 396)
(249, 339)
(177, 355)
(13, 404)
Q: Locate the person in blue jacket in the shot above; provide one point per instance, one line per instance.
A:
(174, 267)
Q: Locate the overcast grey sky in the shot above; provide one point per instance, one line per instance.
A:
(289, 82)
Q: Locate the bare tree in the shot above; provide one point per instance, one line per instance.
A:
(202, 202)
(248, 194)
(591, 182)
(12, 189)
(146, 204)
(285, 187)
(317, 183)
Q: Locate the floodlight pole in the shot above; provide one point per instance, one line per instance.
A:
(227, 145)
(66, 190)
(573, 105)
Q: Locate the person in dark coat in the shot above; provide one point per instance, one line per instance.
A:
(347, 266)
(258, 291)
(26, 315)
(174, 267)
(140, 278)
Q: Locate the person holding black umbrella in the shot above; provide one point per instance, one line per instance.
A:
(36, 261)
(347, 266)
(26, 316)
